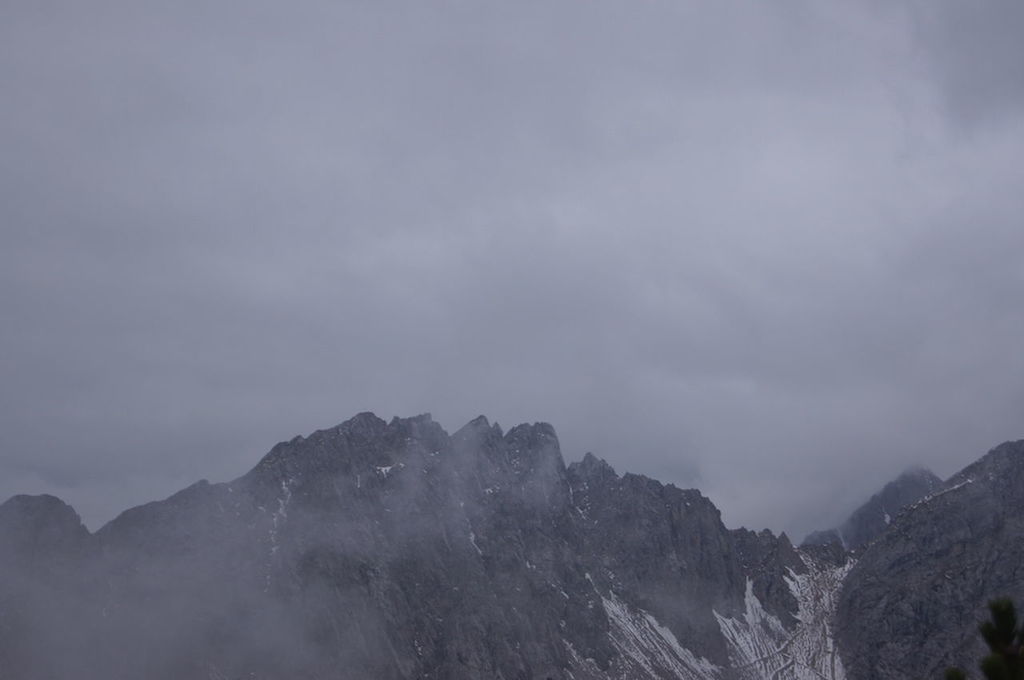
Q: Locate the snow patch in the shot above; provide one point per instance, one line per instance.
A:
(281, 514)
(648, 649)
(943, 492)
(472, 539)
(760, 646)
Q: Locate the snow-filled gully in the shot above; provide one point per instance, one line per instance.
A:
(760, 647)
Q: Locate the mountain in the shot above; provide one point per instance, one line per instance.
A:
(395, 550)
(871, 519)
(911, 605)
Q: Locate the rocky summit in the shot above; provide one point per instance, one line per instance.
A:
(911, 605)
(870, 520)
(394, 550)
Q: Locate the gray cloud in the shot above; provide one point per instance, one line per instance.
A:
(974, 51)
(770, 251)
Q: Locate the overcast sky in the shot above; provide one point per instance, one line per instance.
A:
(773, 249)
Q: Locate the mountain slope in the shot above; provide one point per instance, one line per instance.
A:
(911, 605)
(872, 518)
(393, 550)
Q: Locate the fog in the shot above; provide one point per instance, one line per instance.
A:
(367, 550)
(771, 251)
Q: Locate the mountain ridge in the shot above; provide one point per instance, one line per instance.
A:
(872, 517)
(924, 584)
(391, 549)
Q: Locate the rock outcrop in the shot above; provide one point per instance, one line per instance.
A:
(911, 605)
(870, 520)
(393, 550)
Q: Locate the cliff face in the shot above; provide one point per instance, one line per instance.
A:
(871, 520)
(393, 550)
(911, 605)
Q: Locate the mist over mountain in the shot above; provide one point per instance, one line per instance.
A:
(912, 603)
(871, 519)
(771, 251)
(395, 550)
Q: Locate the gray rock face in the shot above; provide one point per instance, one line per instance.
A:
(911, 605)
(769, 561)
(43, 546)
(870, 520)
(393, 550)
(40, 531)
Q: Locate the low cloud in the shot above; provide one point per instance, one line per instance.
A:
(772, 252)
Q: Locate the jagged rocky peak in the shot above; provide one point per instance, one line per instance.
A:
(40, 525)
(768, 561)
(478, 427)
(1003, 463)
(421, 428)
(872, 518)
(366, 424)
(533, 446)
(914, 483)
(592, 466)
(924, 583)
(389, 549)
(522, 448)
(41, 509)
(823, 538)
(366, 442)
(764, 542)
(356, 446)
(593, 478)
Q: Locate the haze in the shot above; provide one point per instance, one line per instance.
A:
(771, 250)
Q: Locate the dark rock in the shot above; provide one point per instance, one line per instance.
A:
(39, 530)
(870, 520)
(911, 605)
(387, 550)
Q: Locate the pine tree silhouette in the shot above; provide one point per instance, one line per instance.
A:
(1005, 640)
